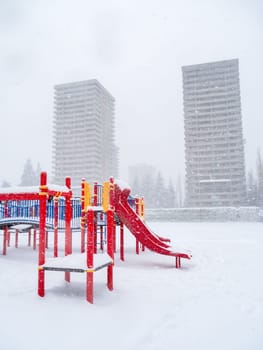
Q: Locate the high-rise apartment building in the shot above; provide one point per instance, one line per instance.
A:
(214, 146)
(83, 133)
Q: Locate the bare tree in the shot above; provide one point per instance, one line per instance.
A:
(5, 184)
(179, 192)
(28, 177)
(252, 193)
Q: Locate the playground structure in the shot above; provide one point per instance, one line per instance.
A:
(101, 208)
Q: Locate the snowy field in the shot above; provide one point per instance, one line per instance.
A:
(215, 301)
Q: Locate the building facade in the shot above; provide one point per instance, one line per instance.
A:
(214, 145)
(83, 133)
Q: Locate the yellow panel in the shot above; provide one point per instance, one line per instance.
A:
(105, 196)
(87, 195)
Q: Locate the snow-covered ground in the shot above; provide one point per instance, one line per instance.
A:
(215, 301)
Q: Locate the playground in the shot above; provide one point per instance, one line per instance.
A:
(96, 215)
(144, 291)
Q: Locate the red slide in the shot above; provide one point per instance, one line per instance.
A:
(138, 228)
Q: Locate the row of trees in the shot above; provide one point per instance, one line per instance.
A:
(157, 193)
(255, 183)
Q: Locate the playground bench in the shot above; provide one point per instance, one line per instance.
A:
(77, 263)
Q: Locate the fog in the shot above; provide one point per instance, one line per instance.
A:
(136, 50)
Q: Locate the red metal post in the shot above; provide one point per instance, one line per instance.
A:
(68, 214)
(143, 217)
(137, 248)
(68, 238)
(90, 252)
(95, 203)
(177, 262)
(89, 289)
(68, 233)
(83, 217)
(121, 241)
(90, 240)
(110, 233)
(43, 190)
(5, 236)
(110, 246)
(55, 227)
(137, 212)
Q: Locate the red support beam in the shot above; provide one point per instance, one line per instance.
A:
(19, 196)
(177, 262)
(90, 238)
(137, 247)
(89, 288)
(90, 253)
(95, 203)
(83, 217)
(55, 227)
(110, 246)
(5, 236)
(110, 233)
(68, 215)
(121, 241)
(68, 232)
(137, 212)
(42, 232)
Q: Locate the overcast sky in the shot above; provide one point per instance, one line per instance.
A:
(136, 50)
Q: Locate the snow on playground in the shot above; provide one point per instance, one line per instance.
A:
(215, 301)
